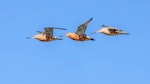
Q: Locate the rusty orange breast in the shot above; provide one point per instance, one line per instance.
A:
(73, 36)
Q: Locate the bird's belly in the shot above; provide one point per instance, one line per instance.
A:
(79, 38)
(106, 32)
(41, 37)
(74, 37)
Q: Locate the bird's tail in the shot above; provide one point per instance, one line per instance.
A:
(122, 32)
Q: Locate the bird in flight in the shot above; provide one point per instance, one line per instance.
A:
(80, 35)
(111, 31)
(47, 35)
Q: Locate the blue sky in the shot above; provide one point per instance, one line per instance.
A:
(108, 60)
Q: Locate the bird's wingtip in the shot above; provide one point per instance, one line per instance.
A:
(91, 18)
(104, 25)
(64, 29)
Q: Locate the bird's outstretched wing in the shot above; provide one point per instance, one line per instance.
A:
(49, 30)
(39, 32)
(82, 28)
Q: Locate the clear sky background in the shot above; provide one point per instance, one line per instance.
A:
(123, 59)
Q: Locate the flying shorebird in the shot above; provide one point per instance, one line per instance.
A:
(111, 31)
(80, 35)
(47, 35)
